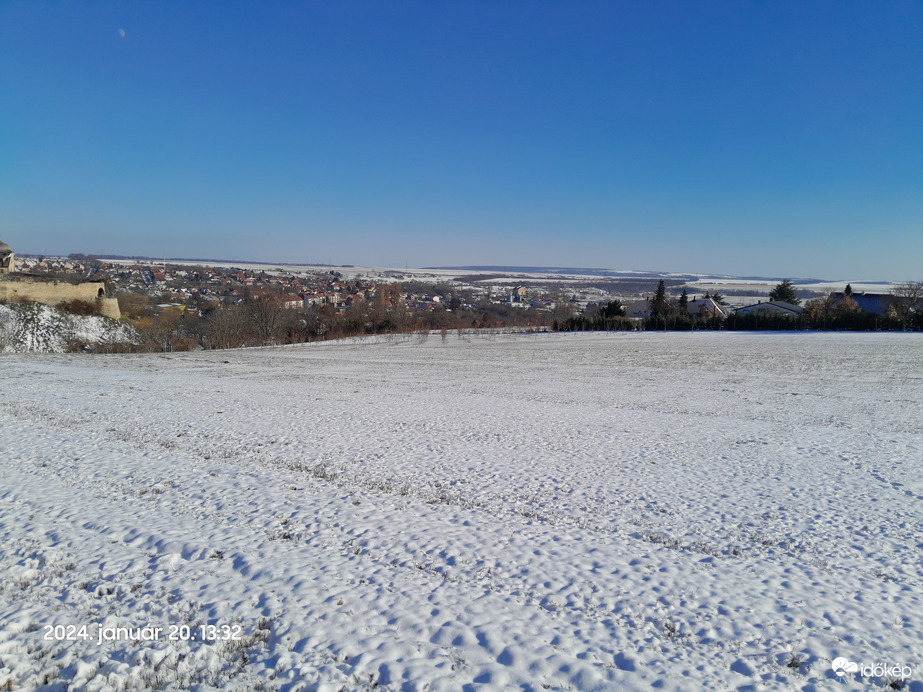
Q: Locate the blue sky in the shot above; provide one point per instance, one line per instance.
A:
(779, 139)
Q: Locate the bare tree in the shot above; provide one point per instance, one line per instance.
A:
(821, 312)
(225, 327)
(563, 308)
(906, 298)
(818, 311)
(267, 315)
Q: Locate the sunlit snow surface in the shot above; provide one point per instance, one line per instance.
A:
(550, 511)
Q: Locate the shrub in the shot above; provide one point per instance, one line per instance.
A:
(76, 306)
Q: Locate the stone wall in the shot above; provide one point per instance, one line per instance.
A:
(54, 292)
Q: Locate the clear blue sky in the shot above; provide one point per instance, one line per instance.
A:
(772, 138)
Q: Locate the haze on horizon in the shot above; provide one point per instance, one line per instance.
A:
(731, 138)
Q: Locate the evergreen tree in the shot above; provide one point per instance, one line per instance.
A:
(684, 302)
(785, 291)
(613, 308)
(847, 291)
(659, 303)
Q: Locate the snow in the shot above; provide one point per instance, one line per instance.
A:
(547, 511)
(36, 328)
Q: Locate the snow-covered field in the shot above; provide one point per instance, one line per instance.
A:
(553, 511)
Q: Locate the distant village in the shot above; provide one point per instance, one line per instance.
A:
(177, 305)
(190, 287)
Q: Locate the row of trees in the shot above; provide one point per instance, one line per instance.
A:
(597, 318)
(904, 311)
(269, 320)
(820, 315)
(669, 312)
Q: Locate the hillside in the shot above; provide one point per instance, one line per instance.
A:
(37, 328)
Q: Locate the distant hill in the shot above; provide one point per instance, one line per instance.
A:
(616, 273)
(503, 268)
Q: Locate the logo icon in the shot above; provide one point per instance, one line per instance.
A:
(841, 666)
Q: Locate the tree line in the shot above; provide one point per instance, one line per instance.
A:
(268, 319)
(904, 312)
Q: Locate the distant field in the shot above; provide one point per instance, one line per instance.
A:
(551, 511)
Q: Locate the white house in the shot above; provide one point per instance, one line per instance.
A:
(771, 307)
